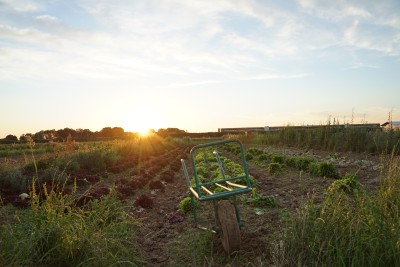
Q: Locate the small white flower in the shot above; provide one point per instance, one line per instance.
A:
(23, 195)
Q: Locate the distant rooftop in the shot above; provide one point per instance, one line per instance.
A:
(394, 123)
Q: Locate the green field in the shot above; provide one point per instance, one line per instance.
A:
(318, 199)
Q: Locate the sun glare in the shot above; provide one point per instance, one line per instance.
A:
(144, 133)
(142, 122)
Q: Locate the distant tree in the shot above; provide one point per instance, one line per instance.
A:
(115, 132)
(11, 137)
(63, 133)
(26, 137)
(39, 136)
(49, 134)
(106, 132)
(118, 132)
(170, 132)
(22, 138)
(84, 134)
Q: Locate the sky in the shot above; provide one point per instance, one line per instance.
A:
(196, 65)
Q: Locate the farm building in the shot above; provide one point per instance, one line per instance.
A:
(394, 125)
(241, 129)
(371, 126)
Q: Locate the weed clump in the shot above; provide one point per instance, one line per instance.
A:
(261, 200)
(323, 169)
(186, 205)
(348, 184)
(274, 168)
(55, 233)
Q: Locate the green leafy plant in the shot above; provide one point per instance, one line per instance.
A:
(261, 200)
(302, 163)
(323, 169)
(348, 184)
(249, 156)
(263, 157)
(274, 168)
(278, 158)
(186, 204)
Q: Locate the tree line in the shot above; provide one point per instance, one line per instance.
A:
(61, 135)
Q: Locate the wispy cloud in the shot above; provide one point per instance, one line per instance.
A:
(277, 77)
(22, 5)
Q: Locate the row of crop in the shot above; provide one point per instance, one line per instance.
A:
(208, 170)
(150, 176)
(276, 162)
(83, 167)
(55, 231)
(351, 227)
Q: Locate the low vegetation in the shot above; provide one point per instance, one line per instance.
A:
(350, 227)
(53, 232)
(75, 204)
(332, 138)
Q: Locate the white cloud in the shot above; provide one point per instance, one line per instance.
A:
(28, 35)
(350, 32)
(47, 19)
(22, 5)
(277, 76)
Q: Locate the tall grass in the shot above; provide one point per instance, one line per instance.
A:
(348, 229)
(332, 139)
(55, 233)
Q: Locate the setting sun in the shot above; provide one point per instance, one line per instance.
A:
(142, 121)
(145, 133)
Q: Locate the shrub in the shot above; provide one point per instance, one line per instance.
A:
(263, 157)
